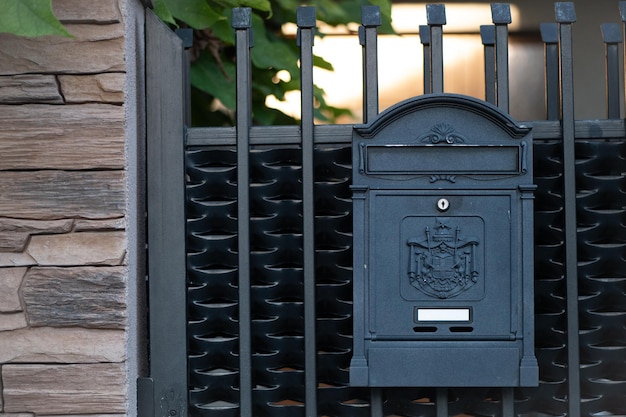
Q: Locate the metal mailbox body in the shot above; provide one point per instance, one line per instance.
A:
(443, 247)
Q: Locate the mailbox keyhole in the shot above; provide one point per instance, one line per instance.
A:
(443, 204)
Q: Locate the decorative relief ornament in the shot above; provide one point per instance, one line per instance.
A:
(442, 133)
(444, 264)
(172, 404)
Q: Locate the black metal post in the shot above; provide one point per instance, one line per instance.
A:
(488, 38)
(242, 23)
(442, 402)
(186, 34)
(508, 402)
(565, 16)
(436, 16)
(612, 35)
(306, 31)
(501, 17)
(165, 121)
(550, 37)
(376, 402)
(368, 37)
(425, 40)
(622, 9)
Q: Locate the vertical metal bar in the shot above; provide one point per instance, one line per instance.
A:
(508, 402)
(376, 402)
(501, 17)
(242, 23)
(425, 40)
(565, 16)
(612, 35)
(622, 9)
(306, 31)
(166, 215)
(488, 37)
(186, 34)
(436, 16)
(442, 402)
(550, 37)
(368, 34)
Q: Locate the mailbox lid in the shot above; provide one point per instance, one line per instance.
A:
(445, 140)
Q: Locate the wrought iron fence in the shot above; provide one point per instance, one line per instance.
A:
(250, 244)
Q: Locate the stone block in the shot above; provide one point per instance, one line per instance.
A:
(85, 248)
(82, 225)
(13, 242)
(12, 321)
(62, 345)
(14, 233)
(62, 194)
(86, 415)
(10, 281)
(81, 11)
(29, 88)
(65, 389)
(8, 259)
(90, 297)
(88, 136)
(105, 88)
(94, 49)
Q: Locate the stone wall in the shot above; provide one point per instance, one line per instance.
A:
(63, 215)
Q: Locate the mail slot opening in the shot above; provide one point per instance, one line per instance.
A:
(442, 159)
(429, 329)
(461, 329)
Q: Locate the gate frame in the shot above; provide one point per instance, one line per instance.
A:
(165, 391)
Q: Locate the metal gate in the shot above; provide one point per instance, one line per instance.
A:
(250, 280)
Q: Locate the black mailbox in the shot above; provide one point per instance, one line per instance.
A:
(443, 247)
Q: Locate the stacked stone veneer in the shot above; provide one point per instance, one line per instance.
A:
(63, 266)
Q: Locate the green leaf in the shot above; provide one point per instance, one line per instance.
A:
(320, 62)
(196, 13)
(261, 5)
(30, 18)
(219, 82)
(270, 51)
(271, 117)
(224, 31)
(161, 10)
(331, 12)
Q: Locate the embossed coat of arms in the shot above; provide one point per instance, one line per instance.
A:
(442, 263)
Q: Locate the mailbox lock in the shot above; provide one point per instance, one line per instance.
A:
(443, 204)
